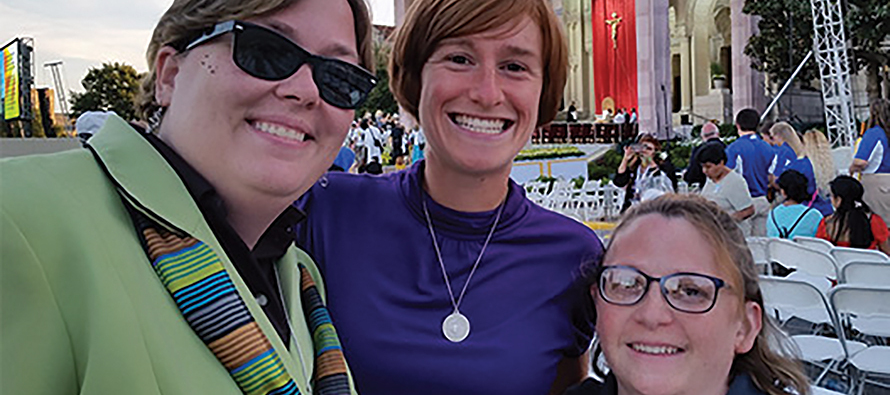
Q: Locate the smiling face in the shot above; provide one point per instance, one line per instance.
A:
(655, 349)
(479, 98)
(257, 140)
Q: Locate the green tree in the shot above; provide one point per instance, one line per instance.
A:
(785, 38)
(380, 97)
(113, 87)
(786, 35)
(868, 23)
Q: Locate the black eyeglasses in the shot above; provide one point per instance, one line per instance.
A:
(267, 55)
(686, 292)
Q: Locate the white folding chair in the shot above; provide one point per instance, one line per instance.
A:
(843, 255)
(590, 200)
(814, 243)
(872, 274)
(823, 391)
(759, 247)
(787, 298)
(793, 255)
(868, 312)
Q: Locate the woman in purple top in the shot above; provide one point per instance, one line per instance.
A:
(444, 278)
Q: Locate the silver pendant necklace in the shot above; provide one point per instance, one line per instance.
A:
(456, 326)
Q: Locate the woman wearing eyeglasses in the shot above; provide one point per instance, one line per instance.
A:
(161, 262)
(642, 173)
(451, 281)
(682, 313)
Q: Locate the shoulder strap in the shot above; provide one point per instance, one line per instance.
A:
(783, 233)
(804, 214)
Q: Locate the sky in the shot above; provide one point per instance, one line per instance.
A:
(85, 33)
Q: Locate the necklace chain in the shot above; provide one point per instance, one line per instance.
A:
(456, 303)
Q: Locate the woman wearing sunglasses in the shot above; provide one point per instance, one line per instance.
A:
(451, 280)
(162, 261)
(682, 313)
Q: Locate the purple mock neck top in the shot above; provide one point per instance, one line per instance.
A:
(527, 303)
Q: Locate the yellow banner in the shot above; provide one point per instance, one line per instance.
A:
(11, 107)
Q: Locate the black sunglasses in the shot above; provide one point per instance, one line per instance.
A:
(267, 55)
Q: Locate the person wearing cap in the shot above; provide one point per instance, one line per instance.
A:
(89, 123)
(162, 261)
(693, 175)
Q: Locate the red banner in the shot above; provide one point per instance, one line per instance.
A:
(615, 53)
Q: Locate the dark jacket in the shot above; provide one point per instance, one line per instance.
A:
(741, 385)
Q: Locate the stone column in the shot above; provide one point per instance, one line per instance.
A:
(747, 84)
(587, 100)
(653, 67)
(685, 72)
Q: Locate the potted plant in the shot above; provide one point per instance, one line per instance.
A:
(718, 76)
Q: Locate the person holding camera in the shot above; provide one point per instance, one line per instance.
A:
(644, 175)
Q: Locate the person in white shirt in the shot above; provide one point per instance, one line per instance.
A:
(725, 187)
(619, 118)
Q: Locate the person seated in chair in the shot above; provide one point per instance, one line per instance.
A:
(794, 217)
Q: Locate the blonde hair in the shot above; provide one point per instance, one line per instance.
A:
(186, 19)
(770, 370)
(819, 151)
(787, 133)
(428, 22)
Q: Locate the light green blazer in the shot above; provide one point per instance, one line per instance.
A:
(81, 309)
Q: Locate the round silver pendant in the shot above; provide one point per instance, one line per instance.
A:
(456, 327)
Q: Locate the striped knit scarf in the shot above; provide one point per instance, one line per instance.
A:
(205, 294)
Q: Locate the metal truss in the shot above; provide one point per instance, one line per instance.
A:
(833, 61)
(55, 68)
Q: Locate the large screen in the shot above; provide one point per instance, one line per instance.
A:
(11, 103)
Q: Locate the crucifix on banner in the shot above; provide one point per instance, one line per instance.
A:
(613, 23)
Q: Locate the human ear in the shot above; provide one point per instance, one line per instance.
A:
(752, 323)
(166, 69)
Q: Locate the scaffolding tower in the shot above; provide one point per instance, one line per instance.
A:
(59, 84)
(833, 61)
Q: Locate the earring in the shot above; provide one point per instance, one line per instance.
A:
(154, 122)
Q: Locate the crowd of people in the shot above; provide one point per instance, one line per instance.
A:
(213, 252)
(777, 182)
(379, 140)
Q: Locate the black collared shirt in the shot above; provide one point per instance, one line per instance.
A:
(257, 267)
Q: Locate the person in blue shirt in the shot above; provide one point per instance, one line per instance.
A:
(802, 164)
(793, 217)
(784, 154)
(873, 154)
(751, 157)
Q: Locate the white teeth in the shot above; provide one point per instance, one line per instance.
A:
(655, 350)
(478, 125)
(280, 131)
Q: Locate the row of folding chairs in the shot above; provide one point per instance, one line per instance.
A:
(848, 323)
(590, 202)
(848, 332)
(818, 258)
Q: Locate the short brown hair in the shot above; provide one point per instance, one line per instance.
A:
(428, 22)
(648, 138)
(187, 18)
(764, 364)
